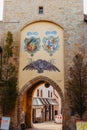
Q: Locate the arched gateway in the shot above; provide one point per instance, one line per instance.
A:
(44, 50)
(26, 95)
(41, 61)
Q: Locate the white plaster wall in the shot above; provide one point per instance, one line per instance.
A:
(45, 91)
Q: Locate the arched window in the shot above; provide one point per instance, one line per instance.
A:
(41, 93)
(51, 94)
(48, 93)
(37, 92)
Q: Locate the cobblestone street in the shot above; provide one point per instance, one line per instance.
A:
(46, 126)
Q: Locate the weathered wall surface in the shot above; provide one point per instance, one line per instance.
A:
(66, 13)
(47, 46)
(85, 39)
(1, 33)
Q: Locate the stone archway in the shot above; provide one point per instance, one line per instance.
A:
(28, 88)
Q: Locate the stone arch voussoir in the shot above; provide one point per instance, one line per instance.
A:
(30, 83)
(42, 20)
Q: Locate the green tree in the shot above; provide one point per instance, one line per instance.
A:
(8, 67)
(10, 97)
(77, 85)
(9, 76)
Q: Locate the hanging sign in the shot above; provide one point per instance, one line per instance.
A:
(5, 123)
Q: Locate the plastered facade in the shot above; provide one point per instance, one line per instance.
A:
(57, 58)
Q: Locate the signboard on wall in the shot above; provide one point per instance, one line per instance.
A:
(81, 125)
(5, 123)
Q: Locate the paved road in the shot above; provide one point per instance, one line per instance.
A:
(46, 126)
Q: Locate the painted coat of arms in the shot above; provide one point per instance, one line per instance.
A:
(32, 45)
(51, 44)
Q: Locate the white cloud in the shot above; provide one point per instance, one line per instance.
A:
(1, 9)
(85, 6)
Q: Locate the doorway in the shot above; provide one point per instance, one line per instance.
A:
(26, 100)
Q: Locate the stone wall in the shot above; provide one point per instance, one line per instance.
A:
(1, 33)
(85, 40)
(66, 13)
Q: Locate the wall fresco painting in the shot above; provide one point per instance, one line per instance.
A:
(41, 66)
(51, 42)
(32, 43)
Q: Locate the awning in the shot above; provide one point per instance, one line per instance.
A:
(44, 101)
(52, 102)
(37, 102)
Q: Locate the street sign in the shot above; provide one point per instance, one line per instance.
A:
(5, 122)
(81, 125)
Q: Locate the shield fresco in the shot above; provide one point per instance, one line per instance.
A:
(51, 44)
(32, 45)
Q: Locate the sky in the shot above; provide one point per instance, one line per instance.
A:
(1, 8)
